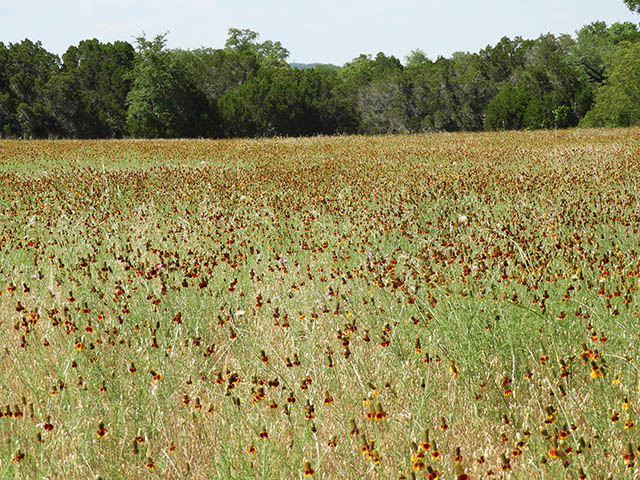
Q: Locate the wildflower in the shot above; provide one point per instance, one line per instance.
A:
(371, 414)
(20, 455)
(460, 475)
(564, 433)
(353, 428)
(308, 471)
(457, 456)
(506, 463)
(432, 474)
(426, 444)
(150, 465)
(453, 369)
(443, 424)
(102, 431)
(435, 454)
(309, 411)
(48, 426)
(260, 395)
(364, 445)
(596, 371)
(628, 455)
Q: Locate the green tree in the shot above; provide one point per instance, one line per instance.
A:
(89, 94)
(163, 101)
(382, 107)
(214, 72)
(6, 104)
(617, 101)
(507, 109)
(634, 5)
(596, 42)
(552, 81)
(498, 63)
(268, 53)
(281, 101)
(23, 102)
(448, 94)
(592, 45)
(376, 90)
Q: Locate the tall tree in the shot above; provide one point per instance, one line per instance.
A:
(268, 53)
(596, 42)
(90, 92)
(507, 109)
(634, 5)
(281, 101)
(28, 69)
(375, 85)
(214, 72)
(163, 101)
(6, 103)
(617, 101)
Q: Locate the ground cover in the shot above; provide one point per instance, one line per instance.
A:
(350, 307)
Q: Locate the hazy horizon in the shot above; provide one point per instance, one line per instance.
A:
(334, 33)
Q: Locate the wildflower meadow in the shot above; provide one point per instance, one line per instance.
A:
(430, 306)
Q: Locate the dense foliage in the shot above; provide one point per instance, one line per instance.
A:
(247, 88)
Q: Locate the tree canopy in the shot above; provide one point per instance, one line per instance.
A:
(247, 88)
(634, 5)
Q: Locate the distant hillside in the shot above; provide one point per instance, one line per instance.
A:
(304, 66)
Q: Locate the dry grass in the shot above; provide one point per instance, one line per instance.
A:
(237, 276)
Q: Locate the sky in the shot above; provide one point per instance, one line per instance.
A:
(327, 31)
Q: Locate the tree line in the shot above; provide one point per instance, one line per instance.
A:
(247, 88)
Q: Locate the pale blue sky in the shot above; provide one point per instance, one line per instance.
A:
(330, 31)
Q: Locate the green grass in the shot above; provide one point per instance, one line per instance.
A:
(505, 255)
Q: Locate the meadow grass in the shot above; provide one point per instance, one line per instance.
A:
(319, 307)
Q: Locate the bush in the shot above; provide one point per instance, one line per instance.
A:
(506, 110)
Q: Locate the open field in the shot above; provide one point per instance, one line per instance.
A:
(236, 309)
